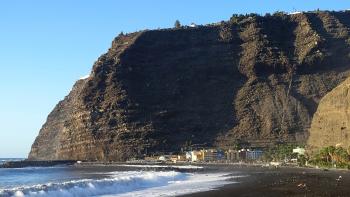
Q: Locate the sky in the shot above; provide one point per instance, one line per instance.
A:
(45, 46)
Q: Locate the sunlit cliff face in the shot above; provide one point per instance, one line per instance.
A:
(252, 80)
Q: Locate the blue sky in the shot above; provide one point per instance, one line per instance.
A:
(46, 46)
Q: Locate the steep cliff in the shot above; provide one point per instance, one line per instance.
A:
(330, 124)
(252, 80)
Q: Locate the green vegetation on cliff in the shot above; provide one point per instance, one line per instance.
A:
(331, 157)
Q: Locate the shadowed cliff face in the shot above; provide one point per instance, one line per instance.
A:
(256, 81)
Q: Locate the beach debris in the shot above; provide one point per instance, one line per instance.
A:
(302, 185)
(339, 178)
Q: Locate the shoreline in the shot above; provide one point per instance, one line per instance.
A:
(29, 163)
(47, 163)
(246, 179)
(259, 180)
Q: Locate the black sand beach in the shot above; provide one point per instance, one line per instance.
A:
(263, 181)
(256, 180)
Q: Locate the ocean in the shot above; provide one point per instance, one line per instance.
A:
(116, 180)
(3, 160)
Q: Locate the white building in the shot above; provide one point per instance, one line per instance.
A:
(293, 13)
(188, 156)
(162, 158)
(193, 25)
(299, 151)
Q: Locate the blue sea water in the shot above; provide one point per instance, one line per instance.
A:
(122, 180)
(3, 160)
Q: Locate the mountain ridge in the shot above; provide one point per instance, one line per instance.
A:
(252, 80)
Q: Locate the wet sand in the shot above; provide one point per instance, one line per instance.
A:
(263, 181)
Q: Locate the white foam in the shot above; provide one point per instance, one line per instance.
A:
(195, 183)
(39, 168)
(162, 166)
(18, 194)
(118, 183)
(127, 183)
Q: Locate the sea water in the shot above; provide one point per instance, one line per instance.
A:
(122, 180)
(3, 160)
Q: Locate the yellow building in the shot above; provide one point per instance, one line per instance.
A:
(176, 158)
(196, 156)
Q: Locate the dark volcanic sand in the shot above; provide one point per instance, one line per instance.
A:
(263, 181)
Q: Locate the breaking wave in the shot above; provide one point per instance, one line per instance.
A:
(188, 167)
(118, 183)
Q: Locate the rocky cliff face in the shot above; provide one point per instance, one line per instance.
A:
(330, 125)
(252, 80)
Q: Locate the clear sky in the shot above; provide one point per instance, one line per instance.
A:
(46, 46)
